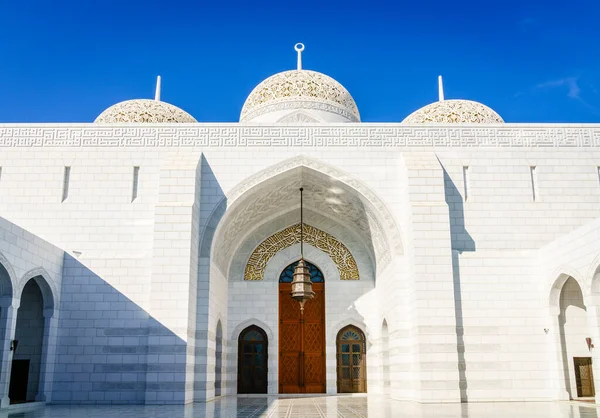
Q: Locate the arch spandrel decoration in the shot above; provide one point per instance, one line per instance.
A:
(339, 253)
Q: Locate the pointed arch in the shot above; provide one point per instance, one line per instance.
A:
(42, 278)
(252, 321)
(353, 320)
(560, 276)
(593, 278)
(270, 192)
(7, 277)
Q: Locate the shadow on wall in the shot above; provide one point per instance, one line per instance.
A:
(27, 358)
(209, 342)
(571, 321)
(461, 241)
(6, 294)
(104, 352)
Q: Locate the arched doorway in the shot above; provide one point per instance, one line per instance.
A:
(218, 359)
(252, 360)
(576, 355)
(27, 357)
(351, 360)
(6, 323)
(301, 337)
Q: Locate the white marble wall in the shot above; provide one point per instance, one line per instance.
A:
(473, 278)
(25, 256)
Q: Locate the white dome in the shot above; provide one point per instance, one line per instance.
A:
(299, 96)
(453, 111)
(144, 111)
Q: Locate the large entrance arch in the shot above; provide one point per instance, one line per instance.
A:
(353, 230)
(301, 336)
(273, 192)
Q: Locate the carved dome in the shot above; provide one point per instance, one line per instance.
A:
(454, 111)
(286, 93)
(299, 96)
(144, 111)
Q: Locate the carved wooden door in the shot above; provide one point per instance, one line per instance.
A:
(584, 377)
(302, 341)
(351, 361)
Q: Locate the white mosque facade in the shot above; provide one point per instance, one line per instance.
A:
(146, 258)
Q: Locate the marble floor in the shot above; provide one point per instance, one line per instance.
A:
(314, 407)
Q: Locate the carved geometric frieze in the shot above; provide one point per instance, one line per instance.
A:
(333, 135)
(339, 253)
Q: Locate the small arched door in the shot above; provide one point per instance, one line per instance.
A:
(252, 360)
(351, 360)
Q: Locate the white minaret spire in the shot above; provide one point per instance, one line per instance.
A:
(299, 47)
(157, 94)
(440, 88)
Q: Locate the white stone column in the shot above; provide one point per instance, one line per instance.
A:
(9, 308)
(172, 322)
(48, 356)
(433, 313)
(558, 367)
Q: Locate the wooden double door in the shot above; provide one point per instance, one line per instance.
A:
(301, 342)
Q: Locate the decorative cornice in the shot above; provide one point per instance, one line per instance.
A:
(338, 135)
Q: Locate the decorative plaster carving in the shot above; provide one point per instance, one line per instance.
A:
(454, 111)
(339, 253)
(298, 117)
(383, 135)
(299, 89)
(144, 111)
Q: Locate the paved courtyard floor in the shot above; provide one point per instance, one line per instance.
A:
(314, 407)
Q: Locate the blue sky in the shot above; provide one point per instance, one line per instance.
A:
(530, 60)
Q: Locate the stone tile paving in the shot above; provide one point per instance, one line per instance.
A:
(317, 407)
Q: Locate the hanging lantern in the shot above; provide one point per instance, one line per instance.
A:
(301, 284)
